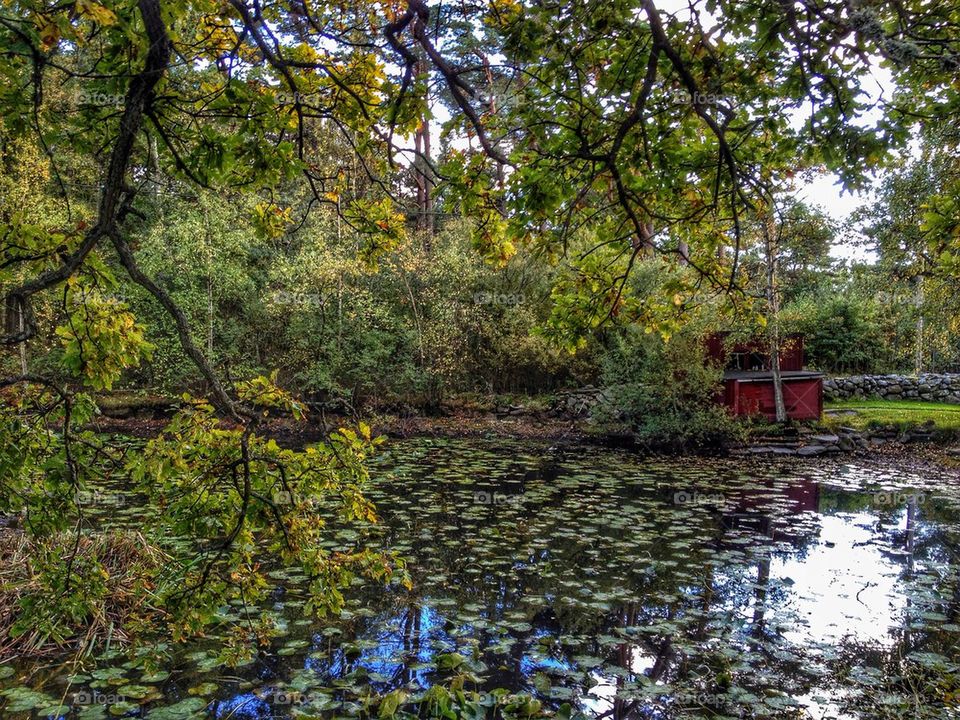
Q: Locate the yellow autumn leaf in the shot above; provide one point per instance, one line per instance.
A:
(96, 12)
(49, 32)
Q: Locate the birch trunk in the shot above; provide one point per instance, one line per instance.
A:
(773, 316)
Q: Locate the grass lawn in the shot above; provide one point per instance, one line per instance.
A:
(899, 413)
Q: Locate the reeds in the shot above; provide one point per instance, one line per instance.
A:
(110, 585)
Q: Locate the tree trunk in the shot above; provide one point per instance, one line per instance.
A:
(423, 175)
(918, 346)
(208, 251)
(24, 370)
(427, 180)
(153, 166)
(210, 315)
(773, 315)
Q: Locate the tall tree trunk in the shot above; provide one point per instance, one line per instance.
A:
(24, 370)
(419, 179)
(208, 251)
(423, 175)
(918, 345)
(424, 180)
(153, 166)
(773, 314)
(209, 317)
(427, 179)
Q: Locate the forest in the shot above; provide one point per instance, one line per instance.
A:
(453, 359)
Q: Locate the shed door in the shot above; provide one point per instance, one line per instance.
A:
(802, 398)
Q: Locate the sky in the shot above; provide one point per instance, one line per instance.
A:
(826, 191)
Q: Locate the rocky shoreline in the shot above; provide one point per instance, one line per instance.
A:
(808, 442)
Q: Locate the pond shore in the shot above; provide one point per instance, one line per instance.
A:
(927, 442)
(522, 427)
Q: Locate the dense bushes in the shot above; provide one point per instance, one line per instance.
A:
(843, 334)
(663, 392)
(427, 320)
(861, 321)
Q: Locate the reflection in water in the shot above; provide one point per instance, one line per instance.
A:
(846, 585)
(629, 587)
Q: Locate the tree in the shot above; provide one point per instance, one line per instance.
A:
(908, 228)
(622, 125)
(771, 250)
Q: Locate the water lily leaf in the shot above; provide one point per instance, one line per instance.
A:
(188, 709)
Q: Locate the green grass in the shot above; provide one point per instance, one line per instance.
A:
(898, 413)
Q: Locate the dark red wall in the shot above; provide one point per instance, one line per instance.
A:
(803, 397)
(791, 351)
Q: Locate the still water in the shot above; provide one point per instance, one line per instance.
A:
(627, 587)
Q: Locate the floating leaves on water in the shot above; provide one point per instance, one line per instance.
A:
(156, 676)
(21, 699)
(449, 661)
(204, 689)
(92, 712)
(54, 711)
(205, 660)
(122, 708)
(108, 673)
(137, 692)
(293, 646)
(189, 709)
(568, 571)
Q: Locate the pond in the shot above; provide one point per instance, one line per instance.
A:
(624, 586)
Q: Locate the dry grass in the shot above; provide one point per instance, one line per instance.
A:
(129, 565)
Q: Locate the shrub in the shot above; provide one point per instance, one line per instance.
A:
(663, 392)
(842, 333)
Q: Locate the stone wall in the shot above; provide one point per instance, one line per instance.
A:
(939, 388)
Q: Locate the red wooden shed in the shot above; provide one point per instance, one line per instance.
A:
(748, 381)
